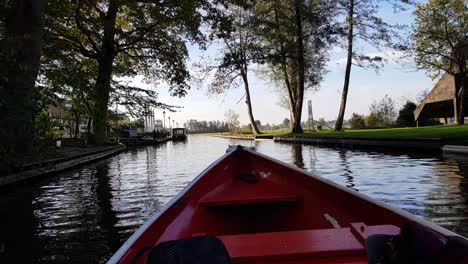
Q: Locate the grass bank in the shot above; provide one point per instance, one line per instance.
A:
(434, 132)
(459, 133)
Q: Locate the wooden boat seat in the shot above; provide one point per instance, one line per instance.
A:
(320, 243)
(239, 192)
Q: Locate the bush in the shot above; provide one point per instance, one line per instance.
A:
(374, 120)
(406, 115)
(43, 128)
(357, 121)
(382, 113)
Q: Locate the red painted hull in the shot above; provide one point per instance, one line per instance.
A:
(270, 212)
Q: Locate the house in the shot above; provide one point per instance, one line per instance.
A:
(442, 101)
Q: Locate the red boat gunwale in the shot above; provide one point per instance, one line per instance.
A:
(240, 195)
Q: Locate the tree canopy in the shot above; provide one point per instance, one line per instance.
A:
(439, 43)
(296, 37)
(126, 38)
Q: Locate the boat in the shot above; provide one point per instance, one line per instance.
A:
(250, 208)
(179, 134)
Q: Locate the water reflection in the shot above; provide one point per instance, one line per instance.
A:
(347, 173)
(18, 228)
(83, 216)
(106, 216)
(298, 159)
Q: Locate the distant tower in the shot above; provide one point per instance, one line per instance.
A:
(311, 116)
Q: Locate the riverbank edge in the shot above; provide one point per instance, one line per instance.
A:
(434, 144)
(420, 144)
(69, 163)
(235, 137)
(144, 142)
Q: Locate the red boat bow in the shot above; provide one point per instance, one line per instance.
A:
(263, 210)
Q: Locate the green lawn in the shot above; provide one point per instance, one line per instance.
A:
(434, 132)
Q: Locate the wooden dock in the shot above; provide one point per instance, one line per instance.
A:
(49, 167)
(141, 141)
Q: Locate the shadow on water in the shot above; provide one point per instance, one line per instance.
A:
(408, 152)
(347, 173)
(298, 159)
(106, 217)
(18, 225)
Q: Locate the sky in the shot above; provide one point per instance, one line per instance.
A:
(395, 79)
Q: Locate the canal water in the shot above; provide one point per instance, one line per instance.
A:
(84, 215)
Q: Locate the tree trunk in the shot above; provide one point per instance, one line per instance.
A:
(104, 77)
(255, 129)
(20, 52)
(461, 81)
(344, 96)
(284, 69)
(88, 129)
(300, 71)
(77, 125)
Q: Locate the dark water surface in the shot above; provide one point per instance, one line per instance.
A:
(83, 216)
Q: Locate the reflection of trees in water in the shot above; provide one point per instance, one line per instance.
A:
(152, 179)
(347, 172)
(18, 227)
(298, 159)
(447, 203)
(151, 167)
(463, 166)
(312, 156)
(107, 218)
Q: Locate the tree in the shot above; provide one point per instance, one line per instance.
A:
(406, 116)
(382, 113)
(362, 25)
(296, 36)
(21, 23)
(238, 53)
(73, 76)
(232, 119)
(422, 95)
(374, 120)
(126, 38)
(286, 123)
(439, 43)
(357, 121)
(194, 126)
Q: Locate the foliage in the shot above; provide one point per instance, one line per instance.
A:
(422, 95)
(439, 43)
(374, 120)
(194, 126)
(295, 40)
(441, 26)
(43, 127)
(149, 38)
(232, 119)
(126, 38)
(406, 115)
(137, 123)
(357, 121)
(239, 43)
(286, 123)
(363, 26)
(136, 100)
(382, 113)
